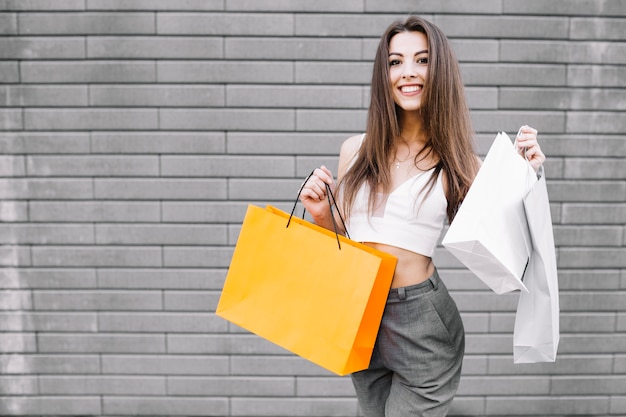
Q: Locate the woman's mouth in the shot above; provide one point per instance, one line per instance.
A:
(409, 89)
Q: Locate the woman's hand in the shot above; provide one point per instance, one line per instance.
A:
(528, 146)
(314, 198)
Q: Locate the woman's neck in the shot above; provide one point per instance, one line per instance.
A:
(412, 129)
(414, 139)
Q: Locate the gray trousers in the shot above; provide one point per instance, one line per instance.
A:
(416, 363)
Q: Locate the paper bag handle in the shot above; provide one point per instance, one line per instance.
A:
(329, 195)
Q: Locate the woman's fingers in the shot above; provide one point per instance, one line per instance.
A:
(323, 174)
(313, 191)
(528, 146)
(526, 137)
(315, 187)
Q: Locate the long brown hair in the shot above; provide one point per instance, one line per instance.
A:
(445, 117)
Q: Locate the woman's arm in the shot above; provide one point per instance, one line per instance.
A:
(313, 195)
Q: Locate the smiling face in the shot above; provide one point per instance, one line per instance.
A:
(408, 64)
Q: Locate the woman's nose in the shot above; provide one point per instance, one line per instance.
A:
(409, 71)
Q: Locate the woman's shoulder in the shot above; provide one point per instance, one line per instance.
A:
(352, 144)
(350, 147)
(348, 152)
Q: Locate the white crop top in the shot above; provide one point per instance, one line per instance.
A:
(411, 217)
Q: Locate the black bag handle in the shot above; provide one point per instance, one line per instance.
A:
(329, 195)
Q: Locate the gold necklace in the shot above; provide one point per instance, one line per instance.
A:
(398, 162)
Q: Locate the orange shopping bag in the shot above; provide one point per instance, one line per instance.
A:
(306, 289)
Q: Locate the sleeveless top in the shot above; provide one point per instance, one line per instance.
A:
(411, 217)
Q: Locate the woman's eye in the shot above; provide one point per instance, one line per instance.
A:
(422, 60)
(394, 62)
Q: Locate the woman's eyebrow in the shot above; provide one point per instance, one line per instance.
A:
(425, 51)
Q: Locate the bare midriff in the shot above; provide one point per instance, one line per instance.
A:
(412, 268)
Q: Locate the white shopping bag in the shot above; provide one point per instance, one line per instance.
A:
(489, 233)
(536, 332)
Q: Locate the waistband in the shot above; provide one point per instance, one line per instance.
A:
(402, 293)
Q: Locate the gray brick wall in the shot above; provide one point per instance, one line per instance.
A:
(133, 134)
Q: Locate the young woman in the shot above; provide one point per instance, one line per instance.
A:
(397, 184)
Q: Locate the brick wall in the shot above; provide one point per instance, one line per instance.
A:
(135, 133)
